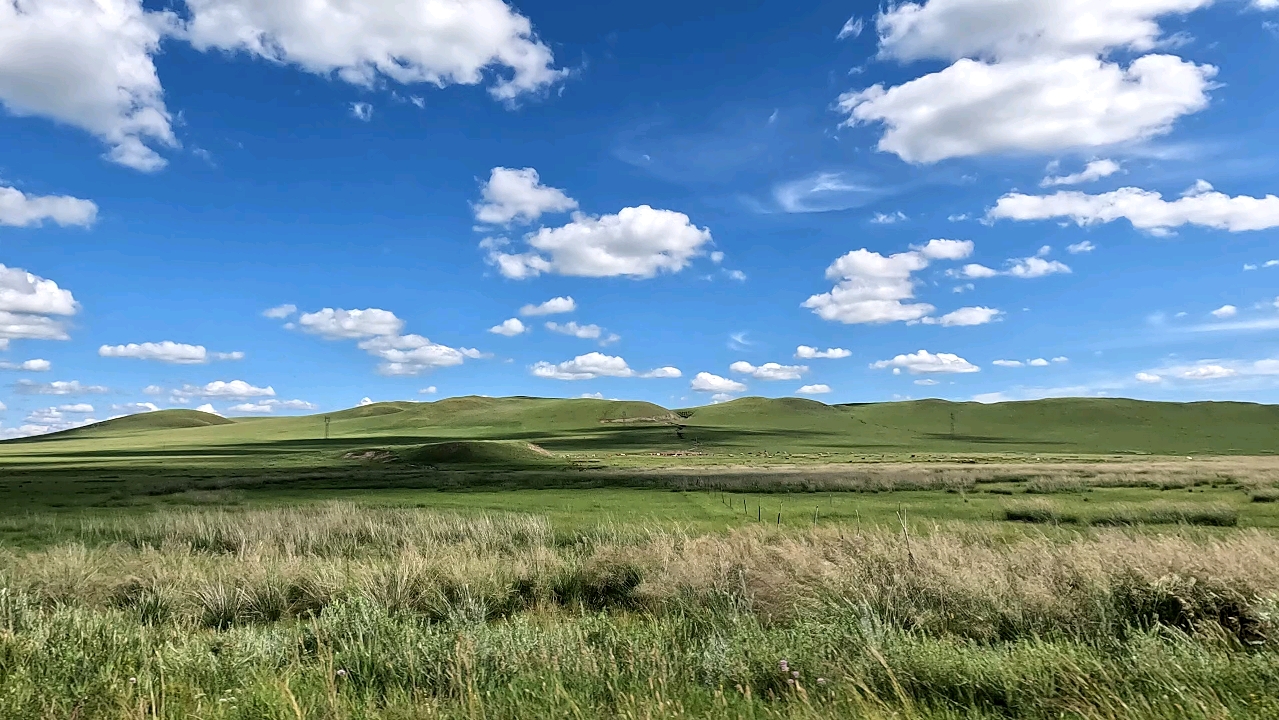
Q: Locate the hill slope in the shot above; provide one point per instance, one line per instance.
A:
(1057, 426)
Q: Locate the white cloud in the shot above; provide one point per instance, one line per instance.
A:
(36, 365)
(637, 241)
(24, 293)
(1094, 170)
(595, 365)
(349, 324)
(208, 408)
(518, 195)
(822, 192)
(167, 351)
(853, 28)
(1035, 267)
(769, 371)
(1061, 359)
(706, 382)
(925, 362)
(279, 312)
(153, 390)
(1036, 105)
(818, 389)
(234, 389)
(79, 408)
(360, 111)
(365, 401)
(87, 63)
(943, 249)
(440, 42)
(927, 382)
(872, 287)
(554, 306)
(509, 328)
(270, 406)
(991, 397)
(888, 218)
(737, 275)
(57, 387)
(1225, 311)
(1008, 363)
(1081, 247)
(1207, 372)
(1249, 266)
(586, 332)
(592, 396)
(1145, 209)
(414, 354)
(718, 398)
(1038, 362)
(964, 317)
(953, 29)
(135, 408)
(1027, 76)
(804, 352)
(1146, 377)
(431, 390)
(17, 209)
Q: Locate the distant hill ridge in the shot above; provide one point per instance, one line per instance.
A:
(1071, 425)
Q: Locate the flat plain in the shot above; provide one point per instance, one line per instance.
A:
(508, 557)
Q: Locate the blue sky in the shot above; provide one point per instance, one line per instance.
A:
(968, 199)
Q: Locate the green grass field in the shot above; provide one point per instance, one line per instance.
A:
(517, 557)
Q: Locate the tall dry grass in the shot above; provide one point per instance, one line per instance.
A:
(342, 611)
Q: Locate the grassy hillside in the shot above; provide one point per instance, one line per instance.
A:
(788, 426)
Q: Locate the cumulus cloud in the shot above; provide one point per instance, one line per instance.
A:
(335, 324)
(586, 332)
(1027, 268)
(923, 362)
(1094, 170)
(595, 365)
(379, 335)
(769, 371)
(1080, 247)
(279, 312)
(707, 382)
(430, 390)
(1225, 311)
(208, 408)
(58, 387)
(263, 407)
(1214, 369)
(804, 352)
(36, 365)
(87, 63)
(518, 195)
(1007, 363)
(818, 389)
(637, 242)
(873, 289)
(365, 401)
(232, 390)
(509, 328)
(554, 306)
(1038, 362)
(17, 209)
(1145, 209)
(440, 42)
(414, 354)
(1029, 76)
(167, 351)
(30, 307)
(1146, 377)
(965, 316)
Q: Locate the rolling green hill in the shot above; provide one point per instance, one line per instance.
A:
(585, 426)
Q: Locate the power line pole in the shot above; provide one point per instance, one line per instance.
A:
(326, 427)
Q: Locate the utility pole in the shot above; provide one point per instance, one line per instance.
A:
(326, 427)
(952, 424)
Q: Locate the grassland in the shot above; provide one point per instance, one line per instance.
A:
(509, 558)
